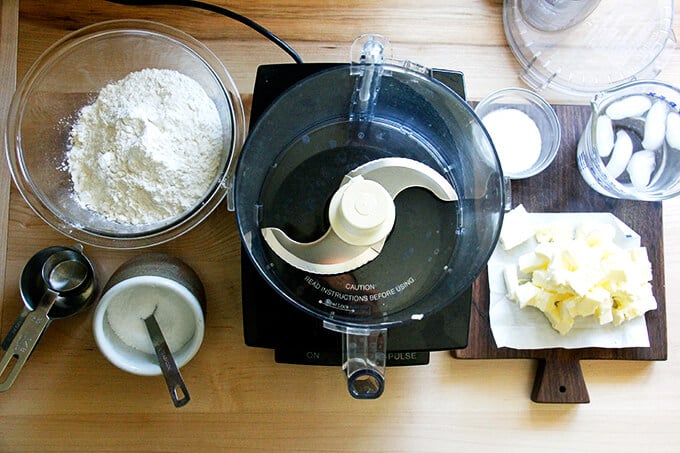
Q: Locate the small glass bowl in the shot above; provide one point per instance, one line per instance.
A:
(539, 111)
(664, 183)
(67, 77)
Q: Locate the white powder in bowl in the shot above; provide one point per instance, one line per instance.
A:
(516, 138)
(127, 311)
(147, 149)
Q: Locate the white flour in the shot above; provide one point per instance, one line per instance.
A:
(147, 149)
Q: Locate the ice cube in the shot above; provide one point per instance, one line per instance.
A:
(673, 130)
(629, 107)
(604, 136)
(640, 168)
(655, 126)
(623, 149)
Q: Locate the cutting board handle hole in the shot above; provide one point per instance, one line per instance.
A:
(563, 389)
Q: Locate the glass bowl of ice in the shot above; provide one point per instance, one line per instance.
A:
(630, 148)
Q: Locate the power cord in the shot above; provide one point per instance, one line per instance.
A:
(219, 10)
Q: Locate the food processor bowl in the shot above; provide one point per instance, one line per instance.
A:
(317, 136)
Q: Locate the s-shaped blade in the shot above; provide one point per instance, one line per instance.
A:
(361, 214)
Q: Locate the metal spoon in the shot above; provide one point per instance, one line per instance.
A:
(173, 378)
(67, 275)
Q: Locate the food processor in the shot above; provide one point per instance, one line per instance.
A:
(369, 197)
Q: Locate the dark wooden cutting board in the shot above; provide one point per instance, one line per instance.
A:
(560, 188)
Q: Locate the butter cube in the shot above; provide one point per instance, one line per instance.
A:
(597, 302)
(511, 280)
(624, 313)
(620, 270)
(570, 306)
(559, 322)
(558, 274)
(554, 232)
(562, 261)
(585, 307)
(595, 234)
(543, 300)
(546, 250)
(516, 229)
(641, 263)
(530, 262)
(525, 292)
(577, 254)
(540, 278)
(604, 315)
(632, 301)
(582, 280)
(646, 300)
(543, 280)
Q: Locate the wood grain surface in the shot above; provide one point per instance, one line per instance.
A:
(69, 398)
(9, 35)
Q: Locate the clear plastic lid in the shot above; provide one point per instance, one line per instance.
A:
(617, 41)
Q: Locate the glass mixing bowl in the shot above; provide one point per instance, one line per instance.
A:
(68, 76)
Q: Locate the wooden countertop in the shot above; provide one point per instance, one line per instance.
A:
(69, 398)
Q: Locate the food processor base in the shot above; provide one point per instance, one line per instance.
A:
(299, 338)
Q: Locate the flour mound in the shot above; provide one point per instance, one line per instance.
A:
(147, 149)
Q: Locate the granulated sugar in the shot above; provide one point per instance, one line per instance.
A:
(147, 149)
(127, 311)
(516, 138)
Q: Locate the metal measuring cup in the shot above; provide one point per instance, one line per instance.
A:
(57, 282)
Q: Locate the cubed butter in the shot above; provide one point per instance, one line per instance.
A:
(562, 324)
(595, 233)
(554, 232)
(517, 228)
(543, 300)
(582, 280)
(546, 250)
(582, 272)
(529, 262)
(525, 292)
(511, 280)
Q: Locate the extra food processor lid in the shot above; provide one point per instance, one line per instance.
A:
(369, 195)
(582, 48)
